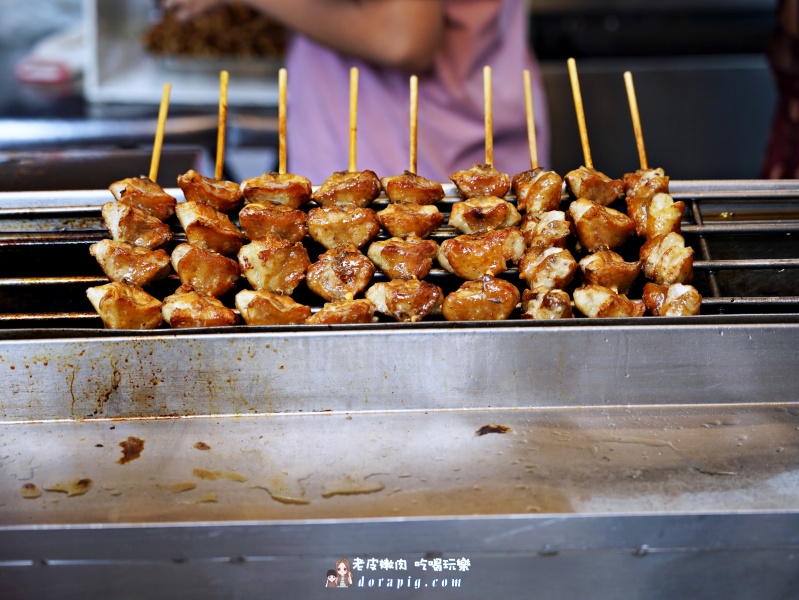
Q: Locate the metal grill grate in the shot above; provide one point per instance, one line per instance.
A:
(744, 234)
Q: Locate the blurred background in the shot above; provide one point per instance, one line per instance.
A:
(80, 82)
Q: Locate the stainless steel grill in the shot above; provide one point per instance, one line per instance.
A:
(640, 455)
(746, 257)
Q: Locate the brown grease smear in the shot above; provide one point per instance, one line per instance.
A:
(131, 449)
(214, 475)
(493, 429)
(30, 490)
(202, 446)
(77, 487)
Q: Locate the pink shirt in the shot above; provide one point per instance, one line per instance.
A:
(451, 134)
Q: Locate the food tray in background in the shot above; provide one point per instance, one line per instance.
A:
(118, 69)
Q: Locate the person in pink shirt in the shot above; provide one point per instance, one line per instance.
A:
(445, 42)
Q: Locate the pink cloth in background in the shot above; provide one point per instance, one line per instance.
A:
(451, 119)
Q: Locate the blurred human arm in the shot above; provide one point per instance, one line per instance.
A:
(401, 34)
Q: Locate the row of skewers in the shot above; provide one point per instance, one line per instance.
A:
(267, 247)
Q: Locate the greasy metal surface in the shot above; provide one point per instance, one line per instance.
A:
(397, 368)
(422, 463)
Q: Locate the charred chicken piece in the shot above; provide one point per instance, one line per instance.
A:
(676, 300)
(599, 226)
(208, 228)
(270, 263)
(546, 229)
(667, 260)
(595, 301)
(481, 180)
(472, 256)
(340, 273)
(593, 185)
(344, 312)
(124, 262)
(645, 183)
(537, 191)
(144, 194)
(223, 196)
(480, 214)
(333, 226)
(187, 308)
(409, 258)
(663, 215)
(551, 268)
(487, 299)
(125, 306)
(258, 220)
(356, 189)
(273, 188)
(410, 188)
(610, 270)
(262, 307)
(206, 271)
(133, 225)
(406, 299)
(544, 304)
(402, 220)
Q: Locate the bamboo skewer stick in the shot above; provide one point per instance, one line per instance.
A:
(528, 105)
(353, 118)
(220, 131)
(414, 120)
(282, 81)
(489, 123)
(578, 107)
(639, 136)
(159, 132)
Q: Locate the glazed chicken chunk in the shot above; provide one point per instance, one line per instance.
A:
(676, 300)
(597, 226)
(124, 262)
(481, 180)
(262, 307)
(223, 196)
(667, 260)
(275, 188)
(480, 214)
(472, 256)
(133, 225)
(344, 312)
(544, 304)
(340, 273)
(144, 194)
(663, 215)
(406, 299)
(402, 220)
(410, 188)
(610, 270)
(551, 267)
(537, 191)
(593, 185)
(546, 229)
(645, 183)
(258, 220)
(208, 228)
(187, 308)
(125, 306)
(409, 258)
(355, 189)
(595, 301)
(270, 263)
(486, 299)
(206, 271)
(333, 226)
